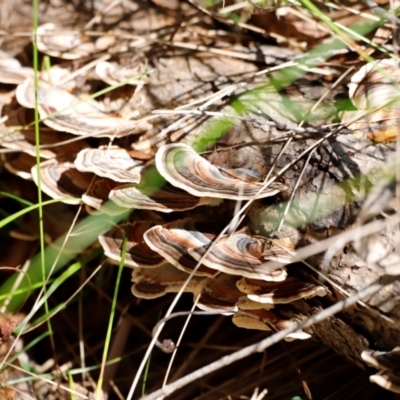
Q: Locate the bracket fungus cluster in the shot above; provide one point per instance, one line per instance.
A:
(227, 271)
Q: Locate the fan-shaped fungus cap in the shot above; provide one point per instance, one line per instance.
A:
(110, 162)
(267, 320)
(114, 74)
(180, 165)
(383, 360)
(156, 282)
(62, 179)
(291, 289)
(220, 293)
(388, 362)
(25, 141)
(63, 111)
(165, 199)
(11, 70)
(173, 240)
(138, 254)
(53, 41)
(388, 381)
(238, 254)
(25, 92)
(19, 164)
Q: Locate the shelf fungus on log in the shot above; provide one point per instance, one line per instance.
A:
(291, 289)
(388, 364)
(110, 162)
(138, 254)
(60, 179)
(153, 283)
(374, 91)
(267, 320)
(181, 166)
(173, 240)
(165, 199)
(238, 254)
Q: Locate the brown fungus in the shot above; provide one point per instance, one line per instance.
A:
(51, 143)
(110, 162)
(156, 282)
(388, 364)
(220, 293)
(11, 70)
(53, 41)
(173, 240)
(267, 320)
(181, 166)
(291, 289)
(238, 254)
(60, 179)
(138, 254)
(114, 74)
(165, 199)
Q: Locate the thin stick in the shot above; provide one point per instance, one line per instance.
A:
(171, 361)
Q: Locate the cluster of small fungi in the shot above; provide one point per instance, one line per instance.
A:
(231, 276)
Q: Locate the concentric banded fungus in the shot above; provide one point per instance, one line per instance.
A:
(173, 240)
(291, 289)
(156, 282)
(52, 41)
(267, 320)
(49, 142)
(114, 74)
(60, 179)
(138, 254)
(165, 199)
(238, 254)
(372, 90)
(220, 293)
(180, 165)
(388, 362)
(11, 70)
(62, 111)
(19, 164)
(25, 92)
(114, 163)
